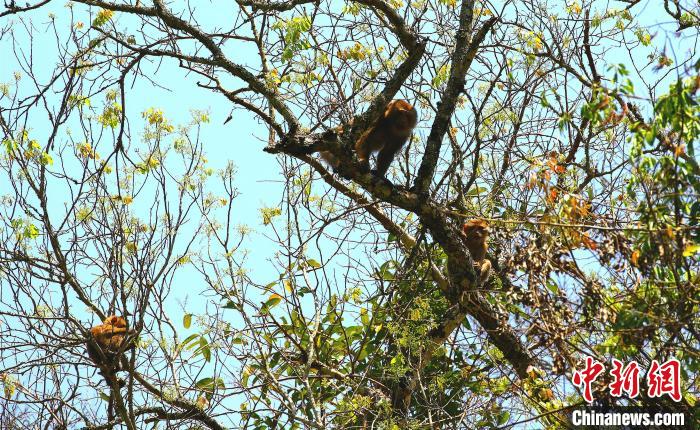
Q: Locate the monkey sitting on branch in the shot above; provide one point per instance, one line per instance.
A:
(109, 341)
(476, 235)
(386, 137)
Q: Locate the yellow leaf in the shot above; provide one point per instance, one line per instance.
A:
(690, 250)
(670, 232)
(273, 301)
(202, 402)
(635, 257)
(679, 150)
(546, 394)
(131, 247)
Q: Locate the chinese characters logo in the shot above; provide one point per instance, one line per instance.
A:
(661, 379)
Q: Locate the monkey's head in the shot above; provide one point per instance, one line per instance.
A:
(111, 332)
(115, 321)
(476, 230)
(401, 116)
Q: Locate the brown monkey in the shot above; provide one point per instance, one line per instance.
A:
(476, 233)
(387, 135)
(110, 338)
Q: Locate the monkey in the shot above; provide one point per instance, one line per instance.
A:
(107, 345)
(476, 233)
(386, 137)
(105, 348)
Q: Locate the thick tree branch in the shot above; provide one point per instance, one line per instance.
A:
(13, 9)
(279, 6)
(465, 51)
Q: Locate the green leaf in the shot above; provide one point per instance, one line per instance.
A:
(384, 272)
(102, 17)
(313, 263)
(187, 341)
(205, 384)
(230, 305)
(503, 417)
(364, 317)
(187, 320)
(274, 300)
(31, 231)
(244, 377)
(477, 191)
(204, 349)
(46, 159)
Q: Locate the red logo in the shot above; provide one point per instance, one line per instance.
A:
(660, 379)
(624, 379)
(586, 377)
(665, 379)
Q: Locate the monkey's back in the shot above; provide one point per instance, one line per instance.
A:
(376, 138)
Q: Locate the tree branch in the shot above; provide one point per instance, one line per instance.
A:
(464, 54)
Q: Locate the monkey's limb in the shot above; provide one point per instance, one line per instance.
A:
(484, 269)
(363, 153)
(108, 361)
(385, 158)
(108, 364)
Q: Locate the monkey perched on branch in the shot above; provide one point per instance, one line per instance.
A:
(476, 234)
(386, 137)
(109, 340)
